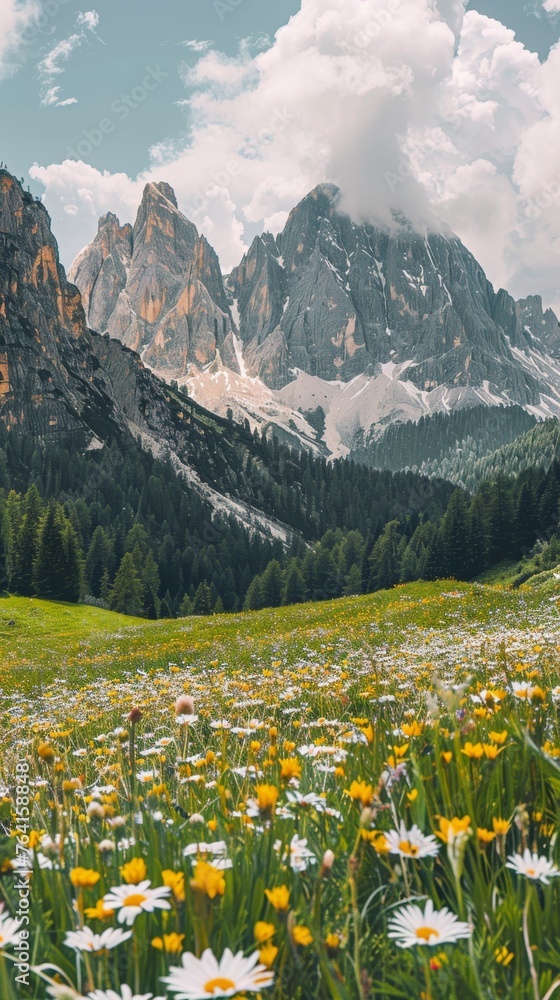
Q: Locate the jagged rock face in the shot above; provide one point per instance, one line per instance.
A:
(539, 324)
(157, 287)
(338, 299)
(60, 379)
(49, 376)
(102, 270)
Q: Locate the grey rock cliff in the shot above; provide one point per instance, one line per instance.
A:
(157, 287)
(338, 299)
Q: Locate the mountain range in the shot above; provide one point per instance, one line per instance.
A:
(329, 332)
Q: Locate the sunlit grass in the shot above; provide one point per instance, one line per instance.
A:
(343, 760)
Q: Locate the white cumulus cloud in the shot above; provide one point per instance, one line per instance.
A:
(412, 105)
(15, 16)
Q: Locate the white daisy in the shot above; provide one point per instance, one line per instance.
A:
(411, 843)
(144, 776)
(125, 994)
(186, 720)
(86, 940)
(217, 850)
(412, 927)
(200, 978)
(132, 900)
(9, 930)
(539, 869)
(298, 853)
(63, 992)
(309, 801)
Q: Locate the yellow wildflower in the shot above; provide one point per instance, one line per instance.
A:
(176, 882)
(208, 880)
(504, 956)
(499, 738)
(501, 827)
(450, 829)
(264, 932)
(361, 792)
(99, 911)
(134, 871)
(84, 878)
(267, 797)
(302, 935)
(332, 942)
(267, 955)
(290, 768)
(171, 944)
(485, 836)
(279, 897)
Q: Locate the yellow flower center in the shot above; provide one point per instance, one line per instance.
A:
(530, 871)
(135, 899)
(407, 848)
(426, 933)
(218, 984)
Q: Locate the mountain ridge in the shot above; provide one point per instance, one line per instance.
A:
(407, 320)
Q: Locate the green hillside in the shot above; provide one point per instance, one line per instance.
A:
(41, 641)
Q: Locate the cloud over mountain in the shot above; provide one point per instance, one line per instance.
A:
(407, 105)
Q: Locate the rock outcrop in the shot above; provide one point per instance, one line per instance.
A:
(157, 287)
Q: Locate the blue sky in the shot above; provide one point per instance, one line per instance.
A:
(244, 105)
(131, 37)
(134, 37)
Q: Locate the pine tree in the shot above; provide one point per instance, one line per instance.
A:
(272, 584)
(327, 583)
(455, 539)
(353, 585)
(50, 577)
(294, 591)
(105, 589)
(100, 560)
(26, 543)
(12, 522)
(126, 594)
(524, 520)
(435, 565)
(254, 599)
(499, 524)
(477, 542)
(150, 584)
(74, 576)
(204, 600)
(386, 558)
(186, 609)
(3, 560)
(410, 565)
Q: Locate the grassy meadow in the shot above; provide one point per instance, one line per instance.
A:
(350, 800)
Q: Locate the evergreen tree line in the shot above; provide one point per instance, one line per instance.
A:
(504, 519)
(454, 444)
(122, 529)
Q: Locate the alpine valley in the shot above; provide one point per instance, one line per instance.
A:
(173, 441)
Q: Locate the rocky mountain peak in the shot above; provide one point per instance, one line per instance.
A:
(327, 301)
(157, 287)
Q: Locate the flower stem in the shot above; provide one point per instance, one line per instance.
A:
(528, 949)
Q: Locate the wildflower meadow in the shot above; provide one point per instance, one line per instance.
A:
(353, 801)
